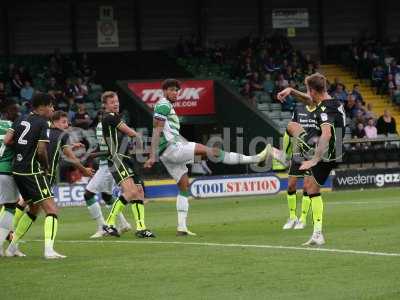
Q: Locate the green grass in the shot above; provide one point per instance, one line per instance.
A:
(365, 221)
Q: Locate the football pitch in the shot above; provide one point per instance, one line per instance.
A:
(240, 252)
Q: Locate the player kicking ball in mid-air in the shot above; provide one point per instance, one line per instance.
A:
(175, 152)
(331, 120)
(29, 136)
(121, 167)
(303, 115)
(9, 193)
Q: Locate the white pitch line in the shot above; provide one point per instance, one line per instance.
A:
(344, 251)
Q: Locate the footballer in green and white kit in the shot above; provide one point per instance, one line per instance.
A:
(175, 152)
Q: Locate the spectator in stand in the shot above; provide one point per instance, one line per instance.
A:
(24, 74)
(396, 95)
(340, 93)
(255, 83)
(53, 87)
(391, 85)
(270, 66)
(350, 107)
(310, 70)
(81, 90)
(247, 68)
(356, 93)
(82, 118)
(370, 130)
(397, 79)
(359, 131)
(299, 76)
(386, 123)
(290, 102)
(281, 83)
(27, 92)
(268, 84)
(368, 112)
(393, 68)
(69, 92)
(332, 87)
(16, 85)
(359, 117)
(12, 70)
(378, 79)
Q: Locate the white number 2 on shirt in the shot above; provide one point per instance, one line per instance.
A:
(21, 139)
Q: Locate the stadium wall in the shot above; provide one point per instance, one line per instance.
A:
(345, 20)
(41, 26)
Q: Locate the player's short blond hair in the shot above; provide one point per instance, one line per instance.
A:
(317, 82)
(107, 95)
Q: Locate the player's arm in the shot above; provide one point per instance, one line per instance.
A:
(67, 150)
(42, 155)
(158, 126)
(126, 129)
(323, 144)
(9, 137)
(302, 97)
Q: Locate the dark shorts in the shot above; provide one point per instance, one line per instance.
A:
(295, 164)
(322, 170)
(121, 168)
(33, 188)
(294, 170)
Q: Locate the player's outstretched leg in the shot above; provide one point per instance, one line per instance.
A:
(95, 212)
(6, 221)
(305, 208)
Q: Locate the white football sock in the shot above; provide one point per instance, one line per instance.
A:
(122, 220)
(97, 214)
(6, 222)
(182, 207)
(233, 158)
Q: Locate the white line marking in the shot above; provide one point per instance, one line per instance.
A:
(344, 251)
(344, 202)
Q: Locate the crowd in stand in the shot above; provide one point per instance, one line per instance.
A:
(270, 64)
(266, 65)
(68, 79)
(379, 63)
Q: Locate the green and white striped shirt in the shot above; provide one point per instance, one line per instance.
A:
(164, 110)
(102, 142)
(6, 153)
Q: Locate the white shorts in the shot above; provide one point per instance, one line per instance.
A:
(176, 157)
(102, 181)
(8, 189)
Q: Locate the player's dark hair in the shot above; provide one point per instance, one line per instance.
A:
(58, 115)
(107, 95)
(317, 82)
(167, 83)
(41, 99)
